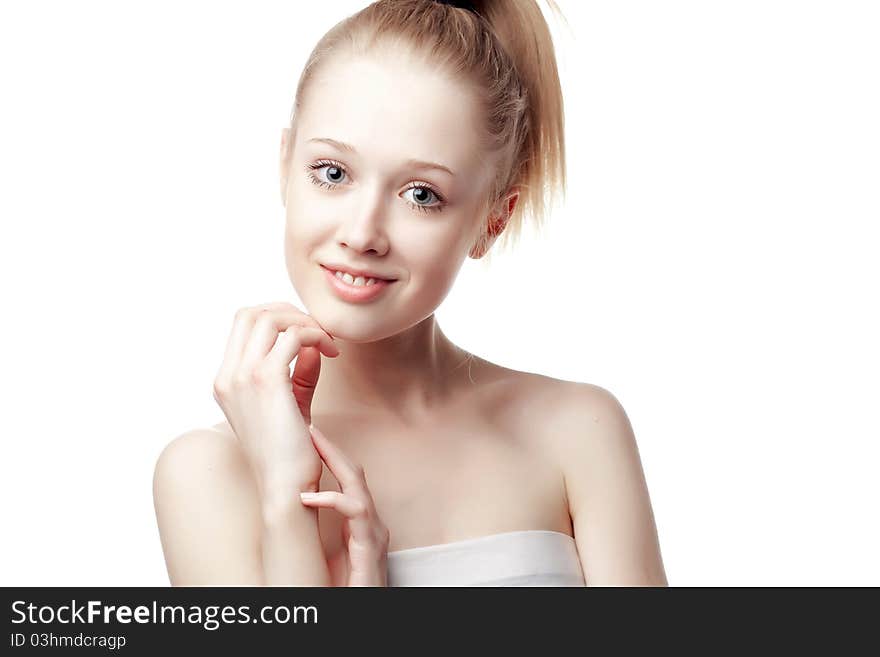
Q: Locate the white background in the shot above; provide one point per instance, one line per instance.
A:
(715, 265)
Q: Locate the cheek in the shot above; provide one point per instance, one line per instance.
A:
(291, 242)
(299, 241)
(435, 266)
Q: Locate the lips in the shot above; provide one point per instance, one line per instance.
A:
(354, 293)
(356, 272)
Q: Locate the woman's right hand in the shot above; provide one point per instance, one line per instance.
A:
(267, 408)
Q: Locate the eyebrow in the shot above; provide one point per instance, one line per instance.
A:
(420, 164)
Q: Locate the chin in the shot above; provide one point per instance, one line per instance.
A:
(364, 330)
(343, 324)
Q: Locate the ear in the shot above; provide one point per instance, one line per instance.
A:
(284, 163)
(495, 225)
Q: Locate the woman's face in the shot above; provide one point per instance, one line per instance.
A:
(370, 205)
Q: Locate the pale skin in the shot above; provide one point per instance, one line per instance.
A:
(401, 417)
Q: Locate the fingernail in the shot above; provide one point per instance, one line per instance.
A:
(307, 496)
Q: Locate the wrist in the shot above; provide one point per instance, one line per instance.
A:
(275, 482)
(369, 570)
(279, 495)
(279, 509)
(377, 577)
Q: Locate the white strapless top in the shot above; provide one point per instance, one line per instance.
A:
(531, 557)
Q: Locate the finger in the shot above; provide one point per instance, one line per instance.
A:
(242, 325)
(304, 380)
(347, 473)
(266, 331)
(291, 340)
(331, 499)
(288, 344)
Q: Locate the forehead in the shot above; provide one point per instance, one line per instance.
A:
(392, 106)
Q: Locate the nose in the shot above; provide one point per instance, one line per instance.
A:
(363, 229)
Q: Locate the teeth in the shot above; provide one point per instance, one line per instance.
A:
(360, 281)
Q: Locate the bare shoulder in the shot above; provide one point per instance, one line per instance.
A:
(199, 458)
(585, 430)
(206, 507)
(585, 426)
(588, 431)
(193, 447)
(562, 414)
(584, 416)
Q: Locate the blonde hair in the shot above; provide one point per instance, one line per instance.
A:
(504, 49)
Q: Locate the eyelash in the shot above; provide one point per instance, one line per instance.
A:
(320, 164)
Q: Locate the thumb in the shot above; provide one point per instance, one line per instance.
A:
(304, 379)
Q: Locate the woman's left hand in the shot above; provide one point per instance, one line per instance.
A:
(362, 529)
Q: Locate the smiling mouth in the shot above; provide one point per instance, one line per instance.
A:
(365, 290)
(357, 281)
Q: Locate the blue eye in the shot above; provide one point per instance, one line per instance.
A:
(421, 191)
(424, 190)
(331, 166)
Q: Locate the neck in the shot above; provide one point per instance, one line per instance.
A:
(407, 376)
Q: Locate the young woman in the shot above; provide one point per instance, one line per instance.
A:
(421, 131)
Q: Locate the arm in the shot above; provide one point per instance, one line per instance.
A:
(608, 498)
(216, 530)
